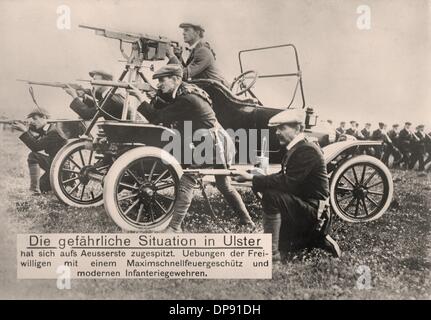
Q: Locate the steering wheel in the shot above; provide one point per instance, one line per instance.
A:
(244, 82)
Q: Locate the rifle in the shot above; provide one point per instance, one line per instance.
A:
(149, 47)
(62, 85)
(415, 136)
(11, 122)
(26, 122)
(213, 172)
(387, 138)
(121, 84)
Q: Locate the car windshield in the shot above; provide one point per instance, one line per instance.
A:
(274, 91)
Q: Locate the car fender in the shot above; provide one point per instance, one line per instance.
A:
(333, 150)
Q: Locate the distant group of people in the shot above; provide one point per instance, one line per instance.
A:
(406, 147)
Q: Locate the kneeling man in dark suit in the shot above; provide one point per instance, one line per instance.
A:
(40, 136)
(295, 200)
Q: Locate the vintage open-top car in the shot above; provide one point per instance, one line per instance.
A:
(127, 168)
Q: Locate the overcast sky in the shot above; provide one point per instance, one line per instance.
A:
(380, 74)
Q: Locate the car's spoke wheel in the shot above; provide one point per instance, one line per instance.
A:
(76, 175)
(140, 189)
(361, 189)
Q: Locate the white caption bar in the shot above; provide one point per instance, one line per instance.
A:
(176, 256)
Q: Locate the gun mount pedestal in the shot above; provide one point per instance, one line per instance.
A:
(134, 63)
(131, 74)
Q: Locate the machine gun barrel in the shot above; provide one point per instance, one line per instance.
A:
(144, 46)
(62, 85)
(129, 37)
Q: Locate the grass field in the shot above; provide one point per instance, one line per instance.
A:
(396, 248)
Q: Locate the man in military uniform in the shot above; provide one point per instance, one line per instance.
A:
(366, 131)
(364, 134)
(379, 135)
(84, 105)
(428, 148)
(418, 148)
(294, 199)
(352, 130)
(340, 130)
(176, 103)
(405, 139)
(201, 63)
(390, 149)
(358, 134)
(393, 134)
(44, 137)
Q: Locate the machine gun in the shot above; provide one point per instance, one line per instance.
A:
(149, 48)
(144, 48)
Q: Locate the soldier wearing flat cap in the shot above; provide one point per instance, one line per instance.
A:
(295, 199)
(364, 134)
(40, 136)
(352, 130)
(178, 103)
(201, 63)
(392, 149)
(341, 130)
(405, 139)
(366, 131)
(418, 148)
(427, 149)
(379, 135)
(84, 105)
(394, 134)
(358, 133)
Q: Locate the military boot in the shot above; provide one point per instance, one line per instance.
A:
(272, 224)
(34, 170)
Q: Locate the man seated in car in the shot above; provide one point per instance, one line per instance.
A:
(201, 63)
